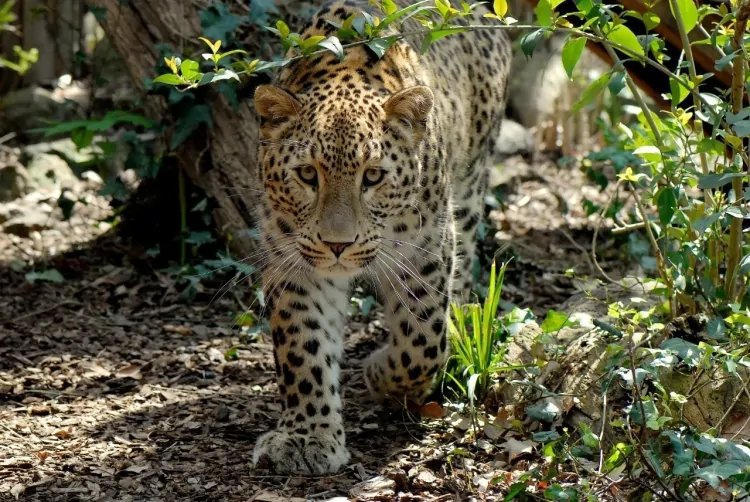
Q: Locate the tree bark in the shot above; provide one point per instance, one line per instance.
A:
(221, 160)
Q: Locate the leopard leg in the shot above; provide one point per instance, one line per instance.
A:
(307, 324)
(417, 293)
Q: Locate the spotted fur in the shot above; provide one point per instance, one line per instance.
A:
(370, 168)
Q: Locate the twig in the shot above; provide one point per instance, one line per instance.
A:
(40, 311)
(580, 248)
(642, 439)
(628, 228)
(596, 235)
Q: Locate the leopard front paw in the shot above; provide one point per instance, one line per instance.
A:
(390, 380)
(293, 453)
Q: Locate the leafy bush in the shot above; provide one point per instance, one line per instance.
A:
(25, 59)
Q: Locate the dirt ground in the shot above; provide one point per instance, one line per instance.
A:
(112, 389)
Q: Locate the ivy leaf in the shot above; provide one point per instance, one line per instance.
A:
(188, 123)
(716, 328)
(688, 12)
(218, 23)
(334, 45)
(649, 408)
(592, 91)
(100, 13)
(49, 275)
(688, 352)
(571, 53)
(622, 35)
(718, 471)
(260, 11)
(544, 412)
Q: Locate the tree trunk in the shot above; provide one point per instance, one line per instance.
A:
(221, 159)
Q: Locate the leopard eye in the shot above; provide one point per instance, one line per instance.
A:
(308, 174)
(372, 177)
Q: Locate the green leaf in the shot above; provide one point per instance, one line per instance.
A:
(742, 128)
(667, 203)
(514, 491)
(723, 62)
(432, 36)
(688, 12)
(189, 69)
(679, 92)
(406, 11)
(571, 54)
(717, 180)
(380, 45)
(555, 321)
(592, 91)
(544, 12)
(169, 79)
(622, 35)
(705, 223)
(389, 7)
(334, 45)
(651, 20)
(617, 83)
(529, 41)
(745, 265)
(49, 275)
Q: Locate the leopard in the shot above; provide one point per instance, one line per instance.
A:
(372, 167)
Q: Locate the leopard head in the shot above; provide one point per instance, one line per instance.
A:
(339, 166)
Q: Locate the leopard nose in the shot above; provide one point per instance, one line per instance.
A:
(338, 247)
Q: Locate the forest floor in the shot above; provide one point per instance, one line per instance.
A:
(111, 388)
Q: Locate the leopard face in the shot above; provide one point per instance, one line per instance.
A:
(339, 169)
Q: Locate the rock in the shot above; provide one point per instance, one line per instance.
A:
(27, 222)
(377, 488)
(30, 107)
(48, 170)
(8, 211)
(15, 182)
(514, 139)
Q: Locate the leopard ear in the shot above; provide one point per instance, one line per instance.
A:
(412, 104)
(274, 103)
